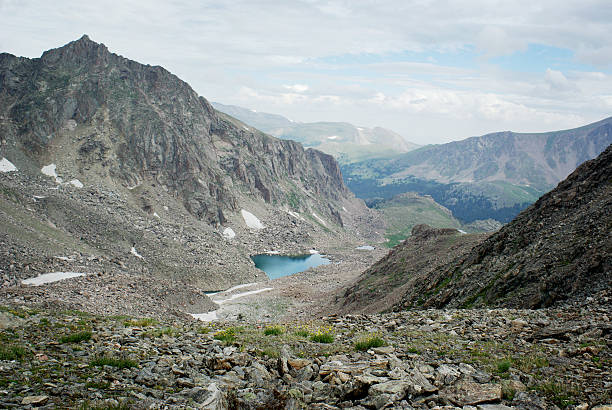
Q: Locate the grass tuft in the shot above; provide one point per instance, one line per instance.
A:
(11, 352)
(273, 330)
(76, 337)
(369, 342)
(119, 363)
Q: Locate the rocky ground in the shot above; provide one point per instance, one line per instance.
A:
(486, 359)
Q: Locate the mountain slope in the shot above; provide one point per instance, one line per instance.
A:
(346, 142)
(558, 249)
(147, 179)
(494, 176)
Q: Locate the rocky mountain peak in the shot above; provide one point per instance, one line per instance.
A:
(79, 52)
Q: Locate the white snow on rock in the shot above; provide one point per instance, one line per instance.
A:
(135, 253)
(76, 183)
(205, 317)
(365, 248)
(7, 166)
(51, 277)
(272, 252)
(332, 137)
(241, 295)
(221, 298)
(313, 251)
(228, 233)
(344, 209)
(251, 220)
(319, 219)
(462, 231)
(50, 171)
(155, 214)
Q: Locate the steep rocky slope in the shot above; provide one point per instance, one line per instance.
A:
(405, 269)
(119, 168)
(559, 248)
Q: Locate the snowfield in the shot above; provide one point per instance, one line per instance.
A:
(51, 277)
(7, 166)
(228, 233)
(251, 220)
(50, 171)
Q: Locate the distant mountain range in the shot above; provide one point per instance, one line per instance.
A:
(346, 142)
(492, 176)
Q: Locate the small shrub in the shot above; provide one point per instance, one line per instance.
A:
(369, 342)
(273, 330)
(76, 337)
(413, 349)
(119, 363)
(302, 333)
(322, 338)
(228, 335)
(503, 366)
(10, 352)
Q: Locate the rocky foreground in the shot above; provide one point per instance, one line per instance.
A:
(486, 359)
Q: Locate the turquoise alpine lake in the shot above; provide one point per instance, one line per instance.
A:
(277, 266)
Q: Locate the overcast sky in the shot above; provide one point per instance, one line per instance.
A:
(434, 71)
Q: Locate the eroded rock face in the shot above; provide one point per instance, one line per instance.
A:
(124, 122)
(559, 248)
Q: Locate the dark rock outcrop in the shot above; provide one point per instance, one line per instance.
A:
(131, 122)
(559, 248)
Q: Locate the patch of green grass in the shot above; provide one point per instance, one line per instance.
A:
(204, 330)
(227, 335)
(302, 333)
(273, 330)
(322, 338)
(369, 342)
(101, 385)
(143, 322)
(12, 352)
(76, 337)
(119, 363)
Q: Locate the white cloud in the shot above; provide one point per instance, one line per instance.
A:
(298, 88)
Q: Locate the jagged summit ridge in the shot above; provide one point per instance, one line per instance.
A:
(144, 122)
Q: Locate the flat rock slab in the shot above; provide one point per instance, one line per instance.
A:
(469, 393)
(35, 400)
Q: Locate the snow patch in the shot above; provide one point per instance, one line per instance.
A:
(233, 288)
(462, 231)
(319, 219)
(344, 209)
(76, 183)
(272, 252)
(64, 258)
(205, 317)
(241, 295)
(228, 233)
(313, 251)
(251, 220)
(135, 253)
(156, 215)
(50, 171)
(332, 137)
(365, 248)
(7, 166)
(51, 277)
(246, 128)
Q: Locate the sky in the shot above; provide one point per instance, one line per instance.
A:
(433, 71)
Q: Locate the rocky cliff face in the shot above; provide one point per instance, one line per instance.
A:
(559, 248)
(116, 121)
(145, 178)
